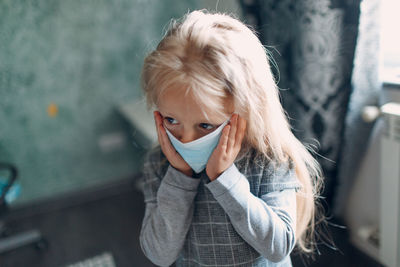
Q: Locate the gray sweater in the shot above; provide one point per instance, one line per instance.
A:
(246, 217)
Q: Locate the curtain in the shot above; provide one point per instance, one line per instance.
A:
(312, 43)
(366, 90)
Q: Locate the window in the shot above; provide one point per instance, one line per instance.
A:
(390, 41)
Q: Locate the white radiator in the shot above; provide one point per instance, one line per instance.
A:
(389, 243)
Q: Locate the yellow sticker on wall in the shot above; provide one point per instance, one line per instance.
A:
(52, 110)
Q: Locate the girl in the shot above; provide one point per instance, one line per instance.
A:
(229, 184)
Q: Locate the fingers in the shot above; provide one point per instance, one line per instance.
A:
(236, 134)
(224, 138)
(242, 124)
(162, 135)
(155, 113)
(232, 133)
(159, 126)
(228, 147)
(169, 151)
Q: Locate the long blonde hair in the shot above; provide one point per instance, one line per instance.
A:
(220, 59)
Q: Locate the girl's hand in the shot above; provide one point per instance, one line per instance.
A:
(169, 151)
(228, 147)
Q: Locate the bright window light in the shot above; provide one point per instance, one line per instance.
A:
(390, 40)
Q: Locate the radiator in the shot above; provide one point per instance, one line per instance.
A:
(389, 237)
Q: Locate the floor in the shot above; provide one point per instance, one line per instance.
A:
(107, 219)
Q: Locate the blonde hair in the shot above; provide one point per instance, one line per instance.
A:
(219, 59)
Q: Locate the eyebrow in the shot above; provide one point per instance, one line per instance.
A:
(203, 120)
(167, 114)
(198, 122)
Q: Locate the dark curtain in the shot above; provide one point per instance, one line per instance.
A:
(366, 91)
(312, 43)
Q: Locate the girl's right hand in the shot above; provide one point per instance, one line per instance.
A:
(169, 151)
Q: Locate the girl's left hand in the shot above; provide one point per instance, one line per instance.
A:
(228, 147)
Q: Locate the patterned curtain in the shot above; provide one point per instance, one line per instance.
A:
(313, 43)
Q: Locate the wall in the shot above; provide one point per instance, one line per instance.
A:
(363, 207)
(64, 67)
(225, 6)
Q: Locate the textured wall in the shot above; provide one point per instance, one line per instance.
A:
(64, 66)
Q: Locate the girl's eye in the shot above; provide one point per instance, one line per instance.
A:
(206, 126)
(171, 120)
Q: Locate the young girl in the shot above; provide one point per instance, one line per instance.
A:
(229, 185)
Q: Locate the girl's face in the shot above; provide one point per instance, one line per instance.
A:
(185, 118)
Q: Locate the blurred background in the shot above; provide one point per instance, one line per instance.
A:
(74, 128)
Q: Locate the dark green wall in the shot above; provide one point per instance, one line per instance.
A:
(84, 57)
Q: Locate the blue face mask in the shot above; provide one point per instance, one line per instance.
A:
(197, 152)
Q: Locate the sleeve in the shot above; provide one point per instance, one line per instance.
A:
(267, 223)
(168, 212)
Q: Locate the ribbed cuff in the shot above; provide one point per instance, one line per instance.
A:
(228, 179)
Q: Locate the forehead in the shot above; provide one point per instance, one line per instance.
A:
(183, 102)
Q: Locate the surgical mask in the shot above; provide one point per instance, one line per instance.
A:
(196, 153)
